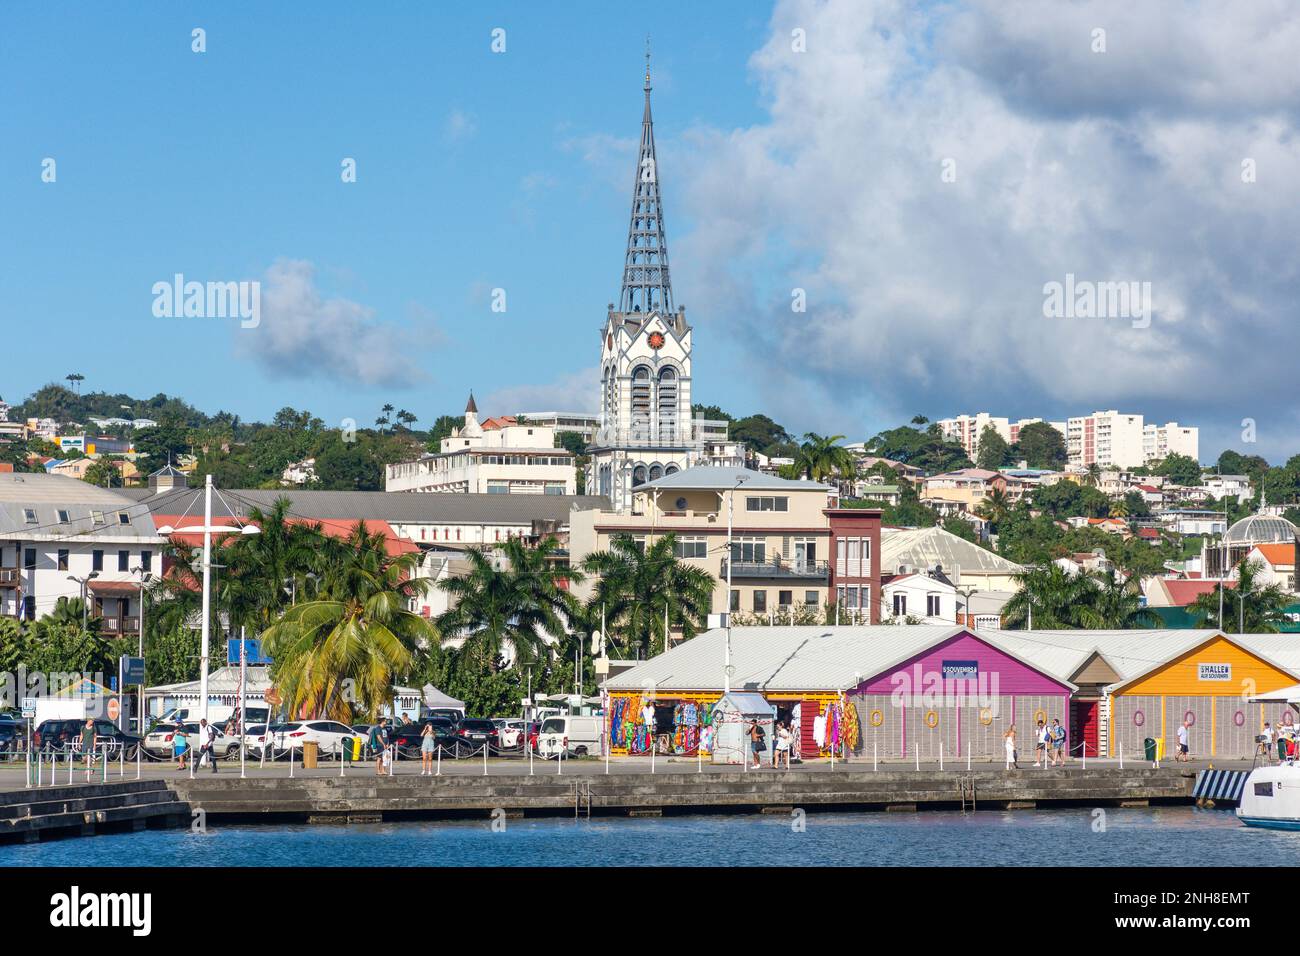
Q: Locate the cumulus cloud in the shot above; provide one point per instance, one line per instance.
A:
(305, 335)
(927, 295)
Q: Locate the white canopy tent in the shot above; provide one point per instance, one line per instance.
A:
(1284, 695)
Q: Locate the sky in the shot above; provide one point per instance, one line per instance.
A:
(915, 173)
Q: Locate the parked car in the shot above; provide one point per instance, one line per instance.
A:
(455, 716)
(473, 733)
(13, 735)
(64, 734)
(510, 732)
(408, 737)
(570, 735)
(328, 735)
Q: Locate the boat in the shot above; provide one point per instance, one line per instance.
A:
(1271, 798)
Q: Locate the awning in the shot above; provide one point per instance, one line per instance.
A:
(114, 588)
(1285, 695)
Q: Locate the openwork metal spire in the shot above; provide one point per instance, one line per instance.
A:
(646, 286)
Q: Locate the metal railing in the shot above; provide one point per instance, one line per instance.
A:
(777, 568)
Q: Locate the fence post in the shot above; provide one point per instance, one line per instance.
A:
(438, 757)
(875, 756)
(485, 755)
(941, 756)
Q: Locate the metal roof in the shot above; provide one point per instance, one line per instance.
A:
(393, 507)
(926, 547)
(723, 478)
(47, 495)
(796, 658)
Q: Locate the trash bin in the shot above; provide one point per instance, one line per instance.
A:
(309, 749)
(1160, 749)
(1150, 744)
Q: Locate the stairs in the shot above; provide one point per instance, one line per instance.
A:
(29, 815)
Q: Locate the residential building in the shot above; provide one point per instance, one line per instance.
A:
(299, 472)
(790, 546)
(964, 563)
(1161, 441)
(1277, 564)
(499, 457)
(646, 430)
(54, 529)
(579, 423)
(875, 488)
(919, 597)
(1108, 439)
(1225, 486)
(961, 491)
(967, 429)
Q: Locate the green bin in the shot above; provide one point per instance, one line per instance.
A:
(1150, 745)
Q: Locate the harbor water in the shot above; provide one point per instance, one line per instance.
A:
(1113, 837)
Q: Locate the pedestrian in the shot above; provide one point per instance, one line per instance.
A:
(379, 744)
(1266, 742)
(756, 744)
(88, 741)
(1183, 735)
(1043, 735)
(180, 746)
(1009, 743)
(428, 742)
(1058, 743)
(784, 739)
(207, 744)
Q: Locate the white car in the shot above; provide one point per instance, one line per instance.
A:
(510, 732)
(328, 736)
(161, 741)
(570, 735)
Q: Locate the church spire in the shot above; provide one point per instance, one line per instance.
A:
(646, 286)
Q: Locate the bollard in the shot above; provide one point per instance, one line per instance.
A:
(918, 758)
(121, 761)
(291, 761)
(941, 756)
(875, 756)
(559, 764)
(103, 771)
(69, 768)
(343, 756)
(1121, 756)
(530, 758)
(189, 758)
(652, 755)
(27, 766)
(1085, 755)
(138, 748)
(968, 759)
(438, 757)
(699, 756)
(485, 750)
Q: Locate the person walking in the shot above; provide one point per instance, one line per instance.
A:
(428, 743)
(207, 744)
(88, 741)
(1043, 735)
(1058, 743)
(1009, 743)
(180, 746)
(1183, 736)
(756, 744)
(784, 739)
(1266, 742)
(379, 744)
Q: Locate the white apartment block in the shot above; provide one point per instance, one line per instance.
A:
(1108, 439)
(501, 458)
(1161, 441)
(60, 537)
(966, 429)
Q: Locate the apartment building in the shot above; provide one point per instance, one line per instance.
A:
(500, 456)
(1109, 439)
(1161, 441)
(966, 429)
(790, 546)
(961, 491)
(62, 538)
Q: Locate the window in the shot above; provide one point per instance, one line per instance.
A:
(97, 560)
(146, 561)
(900, 605)
(785, 598)
(29, 559)
(691, 547)
(735, 600)
(124, 560)
(749, 551)
(29, 515)
(97, 517)
(64, 518)
(760, 602)
(853, 557)
(810, 598)
(932, 605)
(123, 517)
(29, 608)
(63, 559)
(498, 487)
(767, 503)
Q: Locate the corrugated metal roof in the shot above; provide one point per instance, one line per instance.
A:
(723, 478)
(47, 495)
(1130, 653)
(394, 507)
(926, 547)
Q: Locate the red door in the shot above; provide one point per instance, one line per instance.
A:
(1083, 727)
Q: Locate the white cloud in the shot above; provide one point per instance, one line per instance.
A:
(305, 335)
(926, 295)
(460, 126)
(576, 392)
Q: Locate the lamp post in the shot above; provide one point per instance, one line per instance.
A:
(731, 559)
(84, 584)
(205, 632)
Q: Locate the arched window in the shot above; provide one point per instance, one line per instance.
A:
(656, 472)
(638, 475)
(668, 404)
(671, 470)
(641, 402)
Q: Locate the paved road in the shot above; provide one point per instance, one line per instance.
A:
(12, 775)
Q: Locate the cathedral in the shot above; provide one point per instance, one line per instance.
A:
(646, 428)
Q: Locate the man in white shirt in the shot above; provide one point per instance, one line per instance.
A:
(1183, 737)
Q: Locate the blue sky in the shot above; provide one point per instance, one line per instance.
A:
(475, 171)
(812, 166)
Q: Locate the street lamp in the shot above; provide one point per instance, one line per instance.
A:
(84, 583)
(731, 559)
(145, 578)
(207, 530)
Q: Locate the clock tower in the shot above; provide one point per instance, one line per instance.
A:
(646, 428)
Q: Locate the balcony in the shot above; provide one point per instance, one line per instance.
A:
(802, 570)
(10, 578)
(117, 625)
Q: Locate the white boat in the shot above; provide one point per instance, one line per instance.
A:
(1271, 798)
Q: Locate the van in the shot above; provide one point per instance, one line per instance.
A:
(575, 736)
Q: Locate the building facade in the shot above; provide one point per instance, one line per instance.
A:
(1161, 441)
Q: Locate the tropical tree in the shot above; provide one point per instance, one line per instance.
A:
(513, 608)
(1092, 477)
(1119, 508)
(1252, 607)
(1116, 604)
(995, 508)
(1050, 597)
(821, 457)
(269, 570)
(641, 583)
(339, 654)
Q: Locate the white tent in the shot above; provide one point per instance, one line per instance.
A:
(435, 699)
(1285, 695)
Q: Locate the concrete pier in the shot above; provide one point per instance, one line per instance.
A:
(35, 814)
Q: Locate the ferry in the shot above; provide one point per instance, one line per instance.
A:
(1271, 798)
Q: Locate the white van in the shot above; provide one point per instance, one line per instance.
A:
(575, 736)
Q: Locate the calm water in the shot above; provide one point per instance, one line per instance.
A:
(1138, 837)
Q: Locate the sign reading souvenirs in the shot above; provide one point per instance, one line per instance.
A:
(960, 670)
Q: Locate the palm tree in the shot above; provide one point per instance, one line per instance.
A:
(1092, 477)
(820, 457)
(510, 612)
(268, 570)
(1119, 508)
(638, 583)
(995, 508)
(1058, 599)
(1117, 604)
(339, 654)
(1257, 608)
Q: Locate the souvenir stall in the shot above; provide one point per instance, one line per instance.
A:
(674, 726)
(732, 716)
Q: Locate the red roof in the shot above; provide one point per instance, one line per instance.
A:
(1148, 533)
(1276, 554)
(1183, 593)
(334, 527)
(500, 421)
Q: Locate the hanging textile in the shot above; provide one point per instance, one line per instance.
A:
(852, 727)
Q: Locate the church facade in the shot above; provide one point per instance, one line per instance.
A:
(647, 430)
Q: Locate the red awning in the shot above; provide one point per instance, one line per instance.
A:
(114, 588)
